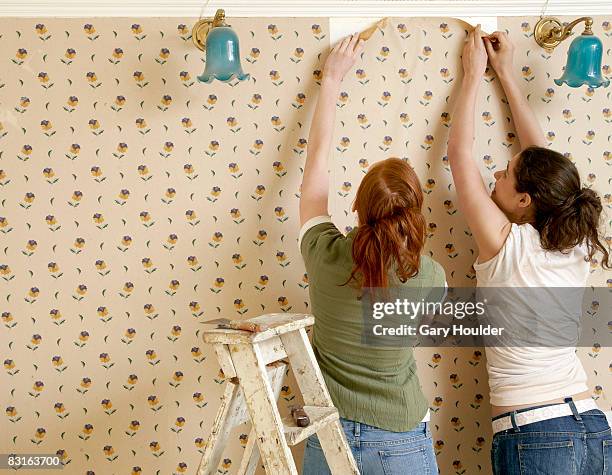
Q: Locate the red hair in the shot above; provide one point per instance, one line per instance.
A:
(391, 225)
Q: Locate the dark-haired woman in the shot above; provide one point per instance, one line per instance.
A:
(383, 411)
(539, 228)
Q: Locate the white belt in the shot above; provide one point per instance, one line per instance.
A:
(542, 413)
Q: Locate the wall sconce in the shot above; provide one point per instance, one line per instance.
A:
(584, 54)
(222, 49)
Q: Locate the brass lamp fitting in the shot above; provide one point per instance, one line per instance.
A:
(202, 27)
(549, 31)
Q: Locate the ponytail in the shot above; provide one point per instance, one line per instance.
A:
(566, 215)
(395, 239)
(392, 227)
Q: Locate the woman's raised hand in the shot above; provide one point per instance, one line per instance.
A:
(342, 57)
(474, 55)
(501, 52)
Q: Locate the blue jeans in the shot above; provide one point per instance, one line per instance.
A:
(560, 446)
(378, 451)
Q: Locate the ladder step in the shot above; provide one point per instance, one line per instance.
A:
(319, 417)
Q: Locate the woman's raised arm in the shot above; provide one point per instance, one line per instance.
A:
(501, 56)
(315, 182)
(489, 225)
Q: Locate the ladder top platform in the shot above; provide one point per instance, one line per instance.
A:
(277, 323)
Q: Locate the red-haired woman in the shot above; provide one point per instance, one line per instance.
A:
(376, 389)
(539, 228)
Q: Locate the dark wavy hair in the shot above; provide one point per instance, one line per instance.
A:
(565, 213)
(391, 225)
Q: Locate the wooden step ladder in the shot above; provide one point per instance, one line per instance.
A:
(255, 367)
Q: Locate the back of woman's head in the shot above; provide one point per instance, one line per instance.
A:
(565, 213)
(391, 226)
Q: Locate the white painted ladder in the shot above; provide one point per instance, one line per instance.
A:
(251, 362)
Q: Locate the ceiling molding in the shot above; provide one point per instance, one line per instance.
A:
(299, 8)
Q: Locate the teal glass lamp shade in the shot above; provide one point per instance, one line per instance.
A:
(584, 63)
(222, 56)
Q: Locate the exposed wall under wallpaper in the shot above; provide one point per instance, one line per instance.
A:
(137, 203)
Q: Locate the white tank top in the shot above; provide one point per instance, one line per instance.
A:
(529, 375)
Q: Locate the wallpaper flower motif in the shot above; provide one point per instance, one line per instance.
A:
(137, 203)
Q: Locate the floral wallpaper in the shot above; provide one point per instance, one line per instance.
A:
(137, 203)
(399, 103)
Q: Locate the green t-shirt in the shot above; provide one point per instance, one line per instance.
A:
(371, 384)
